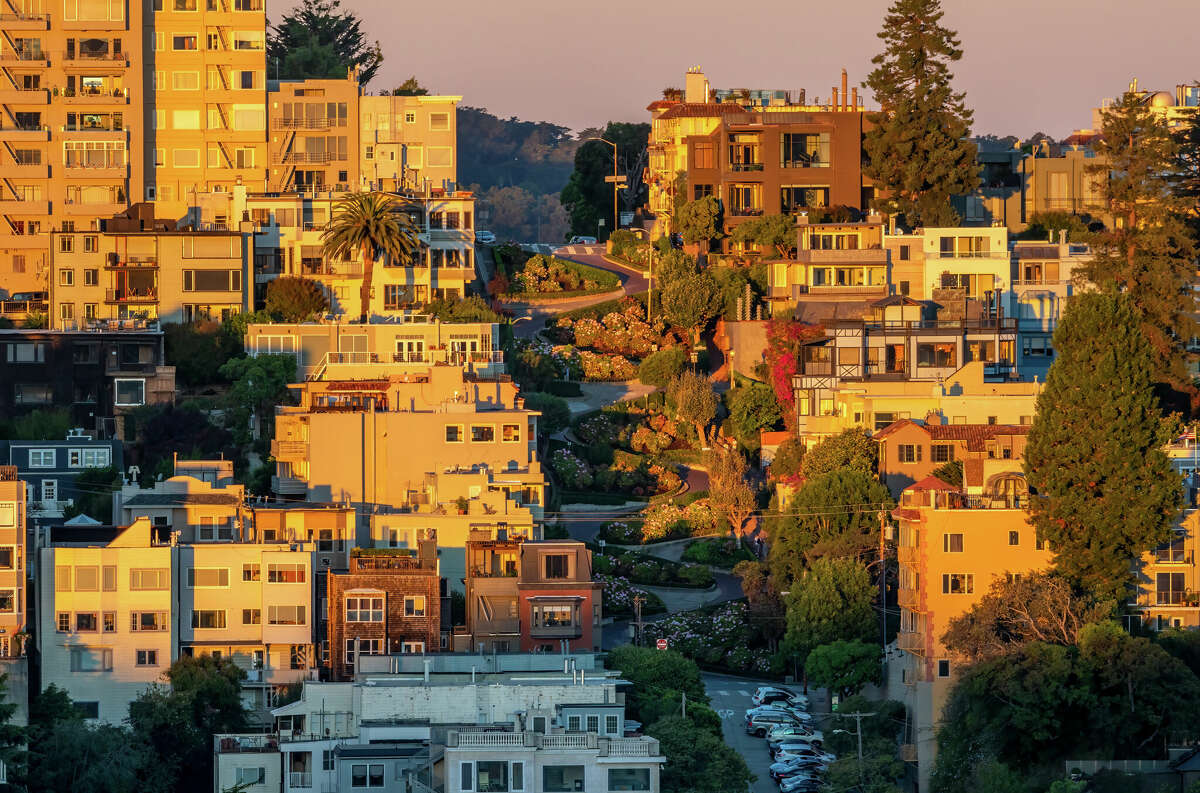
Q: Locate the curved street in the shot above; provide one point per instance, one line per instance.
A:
(632, 282)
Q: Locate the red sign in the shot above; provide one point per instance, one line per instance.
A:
(662, 644)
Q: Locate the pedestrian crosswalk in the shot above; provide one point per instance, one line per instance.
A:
(569, 250)
(740, 692)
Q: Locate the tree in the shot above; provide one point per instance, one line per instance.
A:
(834, 514)
(318, 40)
(653, 672)
(296, 299)
(695, 402)
(1106, 491)
(95, 487)
(556, 413)
(1015, 611)
(773, 233)
(587, 198)
(690, 302)
(410, 87)
(753, 409)
(164, 430)
(1183, 644)
(661, 367)
(788, 460)
(917, 147)
(371, 225)
(43, 424)
(197, 350)
(258, 384)
(830, 601)
(697, 760)
(844, 666)
(851, 449)
(1186, 171)
(951, 473)
(1149, 254)
(701, 222)
(786, 340)
(729, 490)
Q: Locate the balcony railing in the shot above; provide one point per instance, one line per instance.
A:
(131, 296)
(606, 747)
(115, 262)
(909, 599)
(93, 56)
(557, 631)
(289, 450)
(300, 779)
(289, 485)
(745, 212)
(911, 643)
(1179, 557)
(303, 123)
(853, 256)
(21, 308)
(745, 166)
(236, 744)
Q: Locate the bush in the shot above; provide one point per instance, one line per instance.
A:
(543, 274)
(599, 453)
(563, 388)
(624, 244)
(697, 575)
(597, 366)
(660, 368)
(717, 552)
(198, 350)
(556, 416)
(467, 309)
(296, 299)
(621, 533)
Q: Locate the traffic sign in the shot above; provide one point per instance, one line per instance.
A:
(621, 180)
(661, 644)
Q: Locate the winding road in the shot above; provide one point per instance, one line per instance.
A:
(632, 282)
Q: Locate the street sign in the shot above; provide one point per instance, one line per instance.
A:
(626, 218)
(661, 644)
(621, 180)
(833, 703)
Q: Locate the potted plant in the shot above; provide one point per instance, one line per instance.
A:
(462, 504)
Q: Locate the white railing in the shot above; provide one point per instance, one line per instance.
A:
(486, 740)
(300, 779)
(579, 741)
(632, 747)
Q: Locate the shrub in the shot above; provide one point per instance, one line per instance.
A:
(563, 388)
(696, 575)
(296, 299)
(556, 415)
(716, 552)
(467, 309)
(668, 521)
(626, 245)
(598, 453)
(596, 429)
(574, 473)
(621, 533)
(598, 366)
(660, 368)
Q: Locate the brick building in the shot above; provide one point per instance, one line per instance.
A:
(388, 602)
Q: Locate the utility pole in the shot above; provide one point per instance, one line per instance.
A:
(638, 600)
(858, 717)
(684, 704)
(883, 591)
(650, 284)
(617, 180)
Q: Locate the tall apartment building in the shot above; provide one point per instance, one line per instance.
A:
(409, 142)
(139, 269)
(14, 608)
(313, 137)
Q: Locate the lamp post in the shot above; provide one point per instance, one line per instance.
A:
(617, 181)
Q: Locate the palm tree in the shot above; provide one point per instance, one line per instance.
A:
(371, 224)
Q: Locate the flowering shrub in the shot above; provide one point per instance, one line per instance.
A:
(668, 521)
(596, 429)
(622, 533)
(596, 366)
(574, 473)
(707, 636)
(666, 477)
(625, 332)
(645, 439)
(546, 274)
(619, 595)
(785, 340)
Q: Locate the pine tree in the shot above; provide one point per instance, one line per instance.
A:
(1105, 490)
(1149, 254)
(917, 148)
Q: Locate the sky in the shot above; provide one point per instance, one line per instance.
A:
(1028, 65)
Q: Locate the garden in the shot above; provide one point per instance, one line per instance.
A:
(647, 570)
(619, 595)
(609, 346)
(722, 637)
(521, 275)
(717, 552)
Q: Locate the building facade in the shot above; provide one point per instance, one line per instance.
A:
(51, 469)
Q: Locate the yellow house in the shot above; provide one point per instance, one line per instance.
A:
(833, 261)
(409, 142)
(1169, 579)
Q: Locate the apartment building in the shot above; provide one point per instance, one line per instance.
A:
(758, 151)
(529, 596)
(387, 602)
(951, 547)
(412, 342)
(51, 469)
(189, 509)
(838, 263)
(314, 134)
(409, 143)
(289, 234)
(351, 440)
(71, 99)
(965, 397)
(135, 268)
(14, 608)
(98, 374)
(990, 454)
(206, 126)
(1046, 277)
(107, 624)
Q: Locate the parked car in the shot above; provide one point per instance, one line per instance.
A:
(800, 783)
(484, 237)
(578, 240)
(761, 723)
(810, 753)
(797, 742)
(765, 695)
(795, 713)
(785, 730)
(28, 297)
(788, 768)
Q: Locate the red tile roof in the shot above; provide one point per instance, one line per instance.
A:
(659, 104)
(773, 438)
(975, 435)
(932, 483)
(703, 110)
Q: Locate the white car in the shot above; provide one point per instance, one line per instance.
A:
(784, 757)
(577, 240)
(776, 695)
(484, 237)
(784, 731)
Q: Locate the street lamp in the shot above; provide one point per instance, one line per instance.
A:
(616, 180)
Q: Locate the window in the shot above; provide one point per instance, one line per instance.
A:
(612, 725)
(510, 433)
(41, 458)
(482, 433)
(439, 122)
(1037, 346)
(8, 601)
(200, 577)
(49, 490)
(298, 656)
(629, 779)
(1172, 552)
(89, 458)
(943, 668)
(593, 724)
(557, 565)
(701, 191)
(88, 710)
(147, 621)
(704, 155)
(109, 620)
(414, 606)
(130, 392)
(66, 311)
(251, 572)
(1014, 538)
(574, 723)
(8, 557)
(365, 647)
(25, 352)
(553, 616)
(942, 453)
(952, 543)
(800, 150)
(183, 42)
(251, 776)
(252, 616)
(87, 622)
(87, 579)
(364, 609)
(285, 615)
(147, 657)
(909, 453)
(562, 778)
(149, 578)
(958, 584)
(208, 619)
(493, 776)
(1170, 588)
(454, 433)
(285, 573)
(62, 622)
(91, 659)
(939, 354)
(366, 775)
(466, 776)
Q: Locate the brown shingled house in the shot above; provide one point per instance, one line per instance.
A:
(991, 455)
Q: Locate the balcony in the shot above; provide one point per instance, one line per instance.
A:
(114, 96)
(507, 626)
(289, 451)
(876, 256)
(25, 57)
(556, 631)
(585, 741)
(242, 744)
(94, 60)
(19, 309)
(116, 262)
(17, 96)
(745, 212)
(125, 296)
(909, 599)
(21, 206)
(97, 210)
(25, 134)
(1172, 558)
(24, 21)
(913, 643)
(300, 779)
(303, 158)
(452, 275)
(108, 171)
(22, 171)
(288, 486)
(107, 132)
(745, 167)
(303, 123)
(1174, 599)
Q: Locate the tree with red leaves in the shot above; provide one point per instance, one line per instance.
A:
(785, 340)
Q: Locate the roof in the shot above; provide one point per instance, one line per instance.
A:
(933, 483)
(659, 104)
(181, 499)
(976, 436)
(895, 300)
(703, 110)
(773, 438)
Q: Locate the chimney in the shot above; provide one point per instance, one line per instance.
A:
(833, 102)
(1062, 236)
(854, 100)
(845, 95)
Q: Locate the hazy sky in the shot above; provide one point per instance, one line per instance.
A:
(1029, 65)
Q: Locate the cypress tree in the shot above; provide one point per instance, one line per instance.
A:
(917, 147)
(1149, 253)
(1105, 490)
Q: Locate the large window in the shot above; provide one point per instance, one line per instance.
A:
(483, 433)
(89, 458)
(251, 776)
(743, 152)
(745, 199)
(1169, 588)
(201, 577)
(804, 150)
(1172, 552)
(285, 573)
(958, 584)
(130, 392)
(557, 565)
(414, 606)
(148, 621)
(704, 155)
(366, 775)
(149, 578)
(937, 354)
(362, 608)
(562, 778)
(208, 619)
(285, 615)
(41, 458)
(629, 779)
(794, 197)
(553, 616)
(365, 647)
(952, 543)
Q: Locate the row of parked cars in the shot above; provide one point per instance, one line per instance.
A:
(798, 760)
